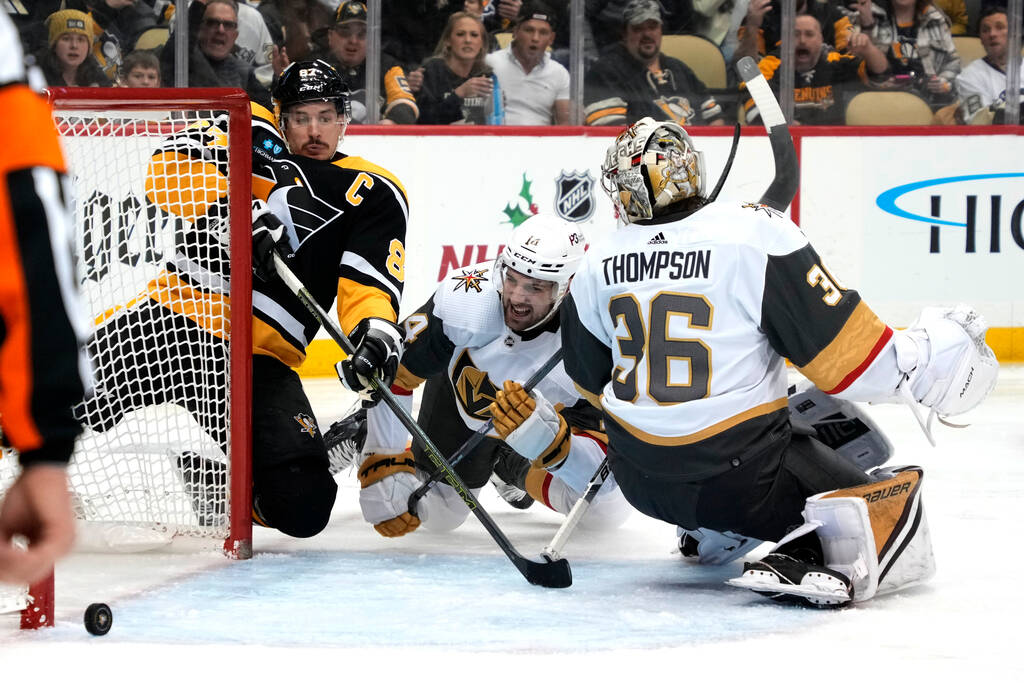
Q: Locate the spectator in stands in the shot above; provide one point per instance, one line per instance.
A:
(213, 29)
(347, 53)
(982, 84)
(68, 59)
(500, 15)
(300, 26)
(256, 46)
(956, 10)
(139, 69)
(915, 37)
(633, 79)
(535, 87)
(605, 17)
(823, 77)
(410, 34)
(712, 19)
(116, 25)
(457, 85)
(761, 30)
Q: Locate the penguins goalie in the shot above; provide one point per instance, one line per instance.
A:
(689, 370)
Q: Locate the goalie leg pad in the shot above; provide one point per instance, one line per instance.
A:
(876, 533)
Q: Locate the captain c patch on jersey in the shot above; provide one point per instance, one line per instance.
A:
(469, 279)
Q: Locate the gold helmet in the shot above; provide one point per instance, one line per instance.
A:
(650, 168)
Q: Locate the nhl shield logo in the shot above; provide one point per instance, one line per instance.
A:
(574, 196)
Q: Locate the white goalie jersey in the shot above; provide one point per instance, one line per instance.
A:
(695, 319)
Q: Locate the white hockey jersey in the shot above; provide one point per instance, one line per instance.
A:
(680, 332)
(462, 331)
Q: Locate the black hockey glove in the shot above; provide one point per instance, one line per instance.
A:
(268, 236)
(378, 345)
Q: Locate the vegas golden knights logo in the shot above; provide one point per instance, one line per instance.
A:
(470, 279)
(473, 388)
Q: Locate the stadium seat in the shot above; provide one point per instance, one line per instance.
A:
(969, 48)
(888, 109)
(700, 54)
(504, 39)
(152, 39)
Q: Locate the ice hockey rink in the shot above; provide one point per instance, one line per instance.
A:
(350, 605)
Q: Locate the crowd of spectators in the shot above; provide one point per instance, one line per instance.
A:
(507, 61)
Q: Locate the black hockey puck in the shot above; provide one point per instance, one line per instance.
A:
(98, 619)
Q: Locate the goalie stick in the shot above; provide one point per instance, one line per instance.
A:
(480, 434)
(547, 573)
(782, 189)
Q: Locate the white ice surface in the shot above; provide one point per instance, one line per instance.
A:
(350, 605)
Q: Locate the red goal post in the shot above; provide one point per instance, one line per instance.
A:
(181, 468)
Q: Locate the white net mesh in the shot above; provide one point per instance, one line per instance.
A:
(151, 244)
(151, 215)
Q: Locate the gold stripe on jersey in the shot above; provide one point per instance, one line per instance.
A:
(184, 186)
(407, 380)
(209, 310)
(357, 301)
(266, 341)
(707, 432)
(592, 398)
(856, 342)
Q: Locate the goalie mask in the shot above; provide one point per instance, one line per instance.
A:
(310, 81)
(650, 169)
(543, 248)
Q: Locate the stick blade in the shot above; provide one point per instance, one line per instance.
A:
(556, 574)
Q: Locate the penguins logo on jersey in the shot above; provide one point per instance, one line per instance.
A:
(306, 424)
(469, 279)
(473, 388)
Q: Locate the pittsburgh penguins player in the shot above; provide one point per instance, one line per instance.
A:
(339, 220)
(680, 327)
(487, 329)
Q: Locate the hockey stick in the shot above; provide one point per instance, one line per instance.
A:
(728, 165)
(479, 434)
(552, 551)
(549, 574)
(783, 187)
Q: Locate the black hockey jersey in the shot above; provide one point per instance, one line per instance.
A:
(346, 220)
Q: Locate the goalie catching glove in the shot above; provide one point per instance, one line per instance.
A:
(378, 349)
(268, 236)
(946, 364)
(530, 425)
(386, 482)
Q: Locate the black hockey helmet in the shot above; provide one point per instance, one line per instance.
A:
(310, 81)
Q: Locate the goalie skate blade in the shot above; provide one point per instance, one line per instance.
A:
(548, 574)
(813, 595)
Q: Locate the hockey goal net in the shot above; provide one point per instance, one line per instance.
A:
(160, 188)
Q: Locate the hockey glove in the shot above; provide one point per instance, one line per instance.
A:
(378, 349)
(529, 424)
(948, 365)
(268, 236)
(386, 483)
